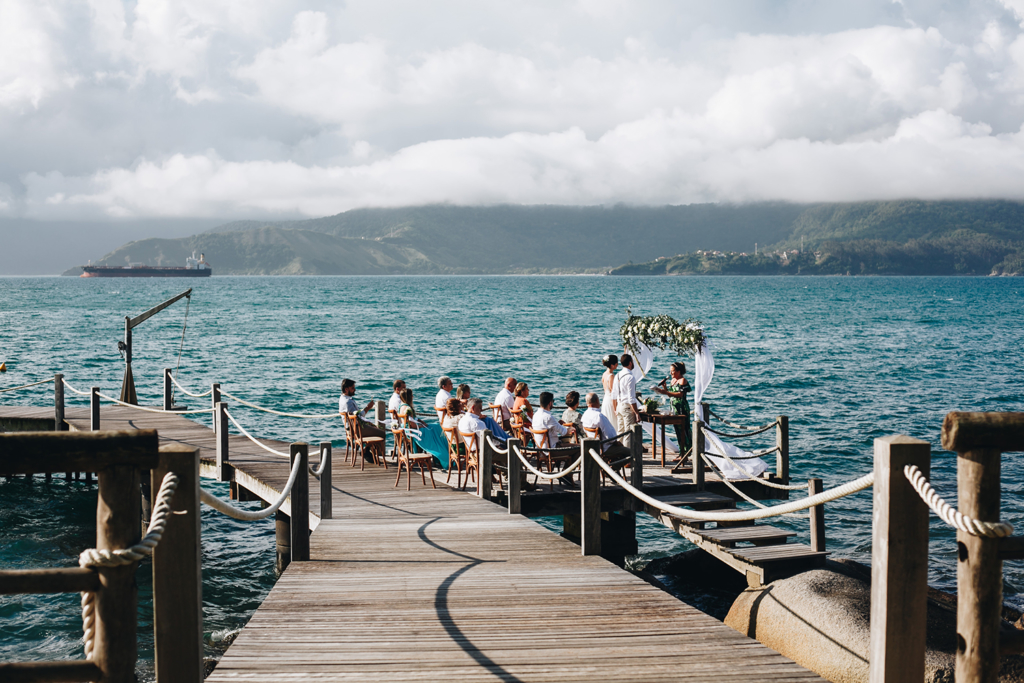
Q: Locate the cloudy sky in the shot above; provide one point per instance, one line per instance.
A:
(169, 109)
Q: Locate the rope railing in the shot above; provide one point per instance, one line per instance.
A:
(319, 470)
(759, 430)
(189, 393)
(739, 492)
(305, 416)
(838, 492)
(739, 426)
(949, 514)
(93, 557)
(256, 441)
(67, 384)
(26, 386)
(152, 410)
(748, 475)
(552, 475)
(226, 508)
(497, 449)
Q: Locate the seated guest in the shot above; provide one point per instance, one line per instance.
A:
(407, 411)
(347, 405)
(462, 393)
(522, 393)
(473, 420)
(485, 421)
(571, 416)
(395, 401)
(593, 419)
(444, 393)
(506, 400)
(544, 420)
(452, 411)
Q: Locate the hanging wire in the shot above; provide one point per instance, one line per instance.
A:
(181, 345)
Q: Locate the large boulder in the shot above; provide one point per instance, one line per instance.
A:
(821, 620)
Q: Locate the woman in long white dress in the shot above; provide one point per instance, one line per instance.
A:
(609, 404)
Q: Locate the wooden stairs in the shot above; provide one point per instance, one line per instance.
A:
(761, 552)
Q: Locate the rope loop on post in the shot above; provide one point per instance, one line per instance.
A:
(755, 432)
(949, 514)
(552, 475)
(224, 507)
(739, 426)
(748, 475)
(497, 449)
(189, 393)
(67, 385)
(26, 386)
(252, 438)
(150, 410)
(305, 416)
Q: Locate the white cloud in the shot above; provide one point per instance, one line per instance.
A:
(30, 61)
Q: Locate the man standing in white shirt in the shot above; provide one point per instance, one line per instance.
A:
(629, 411)
(445, 392)
(544, 420)
(506, 400)
(593, 418)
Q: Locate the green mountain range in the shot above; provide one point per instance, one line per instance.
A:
(867, 237)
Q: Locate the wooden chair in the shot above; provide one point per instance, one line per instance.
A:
(456, 454)
(472, 454)
(404, 451)
(360, 443)
(395, 424)
(518, 426)
(573, 436)
(595, 434)
(544, 455)
(349, 439)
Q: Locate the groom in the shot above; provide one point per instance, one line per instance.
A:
(629, 413)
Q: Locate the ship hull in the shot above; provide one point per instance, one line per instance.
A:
(146, 271)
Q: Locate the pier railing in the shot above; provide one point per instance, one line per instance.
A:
(701, 428)
(106, 576)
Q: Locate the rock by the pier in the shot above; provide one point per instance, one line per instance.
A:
(821, 620)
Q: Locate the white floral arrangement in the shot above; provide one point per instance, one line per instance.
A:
(663, 332)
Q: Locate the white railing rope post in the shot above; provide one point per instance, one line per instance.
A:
(94, 409)
(590, 499)
(300, 503)
(220, 422)
(899, 563)
(58, 403)
(326, 502)
(515, 478)
(168, 390)
(485, 470)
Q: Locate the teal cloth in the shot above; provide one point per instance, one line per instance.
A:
(433, 441)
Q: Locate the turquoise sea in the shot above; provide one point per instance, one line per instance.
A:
(847, 359)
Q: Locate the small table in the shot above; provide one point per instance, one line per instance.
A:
(662, 419)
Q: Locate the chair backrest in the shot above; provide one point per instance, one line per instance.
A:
(593, 432)
(450, 434)
(573, 436)
(354, 427)
(540, 438)
(495, 409)
(441, 412)
(469, 438)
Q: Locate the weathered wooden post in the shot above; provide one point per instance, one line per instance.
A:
(782, 443)
(515, 480)
(380, 412)
(486, 464)
(899, 563)
(326, 496)
(300, 502)
(283, 540)
(220, 428)
(698, 448)
(816, 486)
(979, 439)
(168, 390)
(590, 499)
(177, 573)
(115, 646)
(215, 398)
(636, 474)
(58, 403)
(94, 409)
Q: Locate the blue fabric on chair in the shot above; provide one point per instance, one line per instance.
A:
(496, 429)
(433, 441)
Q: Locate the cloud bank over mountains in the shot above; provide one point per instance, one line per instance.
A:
(162, 108)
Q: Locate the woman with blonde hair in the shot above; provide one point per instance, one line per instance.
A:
(522, 393)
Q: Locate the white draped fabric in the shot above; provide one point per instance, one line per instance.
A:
(704, 370)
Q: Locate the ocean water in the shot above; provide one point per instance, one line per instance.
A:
(847, 359)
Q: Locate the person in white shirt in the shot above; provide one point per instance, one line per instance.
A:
(629, 411)
(593, 418)
(544, 420)
(506, 400)
(472, 421)
(395, 402)
(444, 393)
(347, 404)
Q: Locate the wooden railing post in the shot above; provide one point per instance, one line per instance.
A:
(515, 478)
(590, 499)
(177, 573)
(698, 449)
(782, 443)
(485, 472)
(899, 563)
(283, 540)
(168, 390)
(94, 409)
(58, 403)
(300, 503)
(220, 428)
(115, 640)
(636, 474)
(326, 488)
(215, 398)
(380, 413)
(816, 486)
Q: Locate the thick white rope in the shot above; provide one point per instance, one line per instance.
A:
(94, 557)
(497, 449)
(73, 390)
(949, 514)
(740, 493)
(323, 416)
(323, 464)
(254, 439)
(153, 410)
(553, 475)
(759, 430)
(741, 515)
(224, 507)
(189, 393)
(748, 475)
(738, 426)
(26, 386)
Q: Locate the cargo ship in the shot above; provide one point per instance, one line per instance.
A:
(194, 267)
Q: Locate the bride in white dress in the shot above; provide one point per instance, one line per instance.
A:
(609, 403)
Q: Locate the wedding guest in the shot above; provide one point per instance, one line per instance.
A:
(463, 394)
(628, 407)
(506, 400)
(347, 405)
(593, 418)
(407, 410)
(473, 420)
(444, 385)
(676, 390)
(395, 401)
(522, 393)
(609, 403)
(571, 416)
(543, 420)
